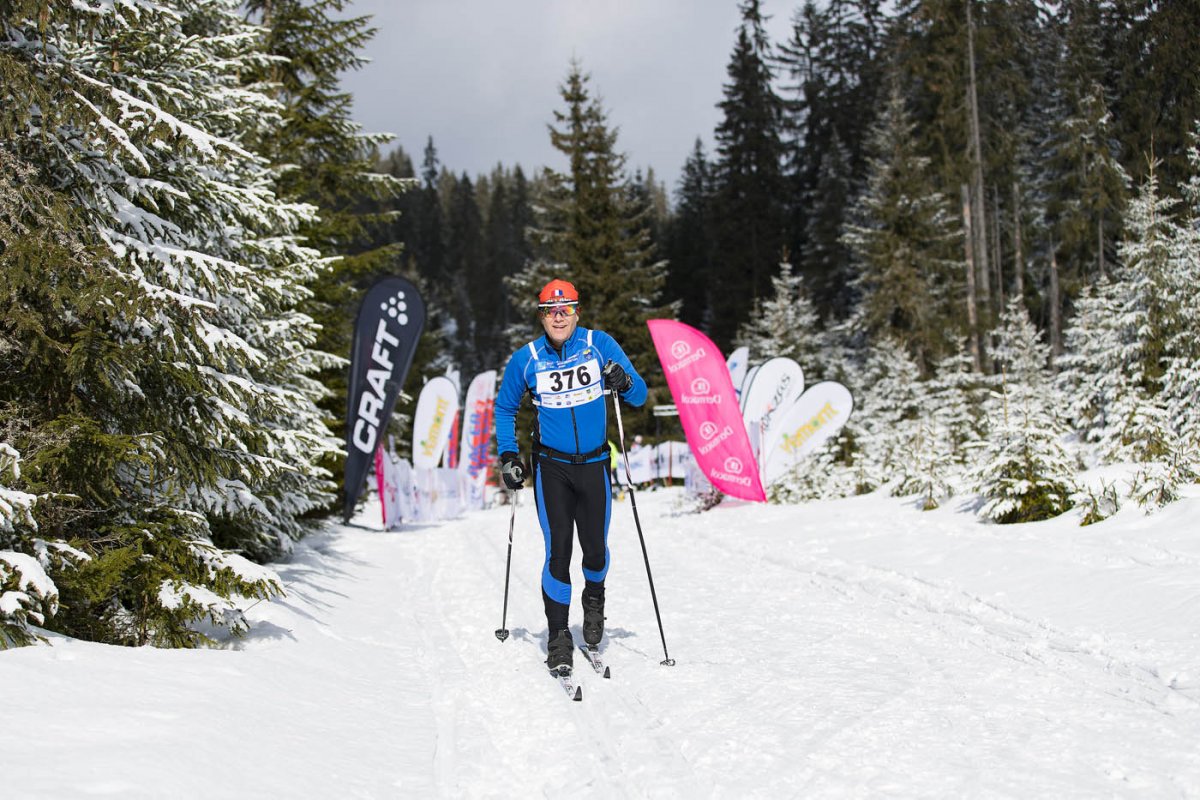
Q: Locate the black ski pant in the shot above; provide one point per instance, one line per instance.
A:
(571, 497)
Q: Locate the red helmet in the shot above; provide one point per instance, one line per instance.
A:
(556, 292)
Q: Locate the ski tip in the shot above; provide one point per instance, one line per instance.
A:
(578, 693)
(607, 672)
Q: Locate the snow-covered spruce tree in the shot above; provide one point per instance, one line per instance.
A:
(200, 422)
(785, 325)
(948, 431)
(1129, 344)
(888, 398)
(27, 595)
(319, 155)
(1181, 378)
(45, 267)
(1024, 473)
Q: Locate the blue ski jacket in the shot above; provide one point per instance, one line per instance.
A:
(568, 393)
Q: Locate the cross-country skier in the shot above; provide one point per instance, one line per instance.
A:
(566, 372)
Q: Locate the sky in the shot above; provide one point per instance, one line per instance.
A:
(482, 76)
(842, 648)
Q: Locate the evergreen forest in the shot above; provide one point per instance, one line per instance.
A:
(981, 217)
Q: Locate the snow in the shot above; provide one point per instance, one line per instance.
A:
(857, 647)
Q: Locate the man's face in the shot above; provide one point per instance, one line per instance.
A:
(559, 321)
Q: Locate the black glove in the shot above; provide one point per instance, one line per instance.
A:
(616, 378)
(512, 471)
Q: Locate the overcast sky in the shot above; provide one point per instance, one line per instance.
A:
(482, 76)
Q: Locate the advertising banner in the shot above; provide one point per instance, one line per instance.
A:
(777, 384)
(396, 490)
(708, 408)
(738, 362)
(673, 460)
(478, 422)
(389, 324)
(808, 423)
(436, 407)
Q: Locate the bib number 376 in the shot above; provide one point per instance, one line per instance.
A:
(567, 379)
(570, 385)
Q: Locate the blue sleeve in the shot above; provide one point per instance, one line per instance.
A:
(608, 347)
(508, 402)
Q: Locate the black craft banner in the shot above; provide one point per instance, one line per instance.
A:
(389, 325)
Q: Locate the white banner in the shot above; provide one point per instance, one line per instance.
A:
(673, 459)
(642, 466)
(738, 362)
(436, 408)
(812, 420)
(776, 386)
(477, 424)
(396, 489)
(743, 388)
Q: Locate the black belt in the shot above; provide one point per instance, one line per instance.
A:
(574, 458)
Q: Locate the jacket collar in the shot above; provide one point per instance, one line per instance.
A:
(568, 343)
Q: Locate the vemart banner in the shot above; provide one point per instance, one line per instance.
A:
(810, 422)
(386, 332)
(478, 420)
(436, 407)
(708, 408)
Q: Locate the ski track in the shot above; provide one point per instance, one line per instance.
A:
(888, 671)
(968, 633)
(867, 651)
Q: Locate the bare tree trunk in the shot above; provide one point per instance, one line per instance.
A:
(1018, 250)
(972, 313)
(1100, 246)
(1055, 308)
(977, 188)
(997, 253)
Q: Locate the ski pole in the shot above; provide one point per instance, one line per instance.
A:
(502, 632)
(667, 660)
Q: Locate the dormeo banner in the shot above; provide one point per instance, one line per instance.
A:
(708, 408)
(389, 324)
(477, 419)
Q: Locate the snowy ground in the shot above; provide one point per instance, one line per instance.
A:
(850, 648)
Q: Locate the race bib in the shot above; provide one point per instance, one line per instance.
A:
(567, 385)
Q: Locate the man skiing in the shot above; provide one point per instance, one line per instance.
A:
(566, 372)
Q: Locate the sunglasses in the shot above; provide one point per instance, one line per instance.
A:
(566, 310)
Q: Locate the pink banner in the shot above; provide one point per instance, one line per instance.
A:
(708, 408)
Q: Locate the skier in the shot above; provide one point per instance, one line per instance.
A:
(566, 371)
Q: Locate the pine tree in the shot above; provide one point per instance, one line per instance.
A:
(889, 406)
(946, 433)
(691, 241)
(1156, 86)
(175, 401)
(1181, 377)
(832, 66)
(592, 233)
(30, 596)
(1025, 474)
(749, 198)
(468, 288)
(785, 324)
(903, 237)
(322, 157)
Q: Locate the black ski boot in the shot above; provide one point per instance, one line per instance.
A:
(593, 618)
(560, 651)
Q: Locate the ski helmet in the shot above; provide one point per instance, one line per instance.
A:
(556, 292)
